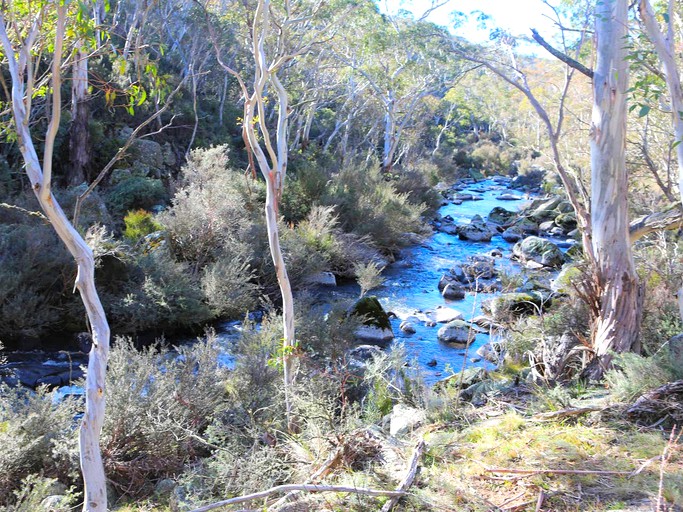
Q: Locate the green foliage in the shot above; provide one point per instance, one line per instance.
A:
(135, 193)
(162, 401)
(139, 223)
(211, 217)
(163, 295)
(633, 374)
(229, 287)
(368, 205)
(36, 272)
(34, 489)
(369, 276)
(37, 436)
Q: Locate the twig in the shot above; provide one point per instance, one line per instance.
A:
(24, 210)
(410, 476)
(556, 471)
(666, 454)
(299, 487)
(510, 500)
(320, 473)
(541, 499)
(564, 413)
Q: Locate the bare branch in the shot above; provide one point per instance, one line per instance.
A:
(122, 150)
(299, 487)
(563, 57)
(669, 219)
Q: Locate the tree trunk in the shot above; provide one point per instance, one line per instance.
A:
(389, 136)
(79, 140)
(665, 51)
(620, 300)
(95, 499)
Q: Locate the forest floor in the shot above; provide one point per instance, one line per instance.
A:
(521, 451)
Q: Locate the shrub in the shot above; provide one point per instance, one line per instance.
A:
(369, 205)
(37, 276)
(210, 216)
(369, 276)
(162, 403)
(37, 435)
(135, 193)
(632, 374)
(139, 223)
(229, 288)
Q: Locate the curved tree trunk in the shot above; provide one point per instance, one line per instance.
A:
(620, 306)
(95, 499)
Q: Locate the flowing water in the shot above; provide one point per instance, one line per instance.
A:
(411, 288)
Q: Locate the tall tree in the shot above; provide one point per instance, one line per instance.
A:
(30, 29)
(620, 299)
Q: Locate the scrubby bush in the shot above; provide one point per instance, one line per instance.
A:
(139, 223)
(210, 217)
(135, 193)
(37, 435)
(37, 276)
(369, 205)
(229, 287)
(162, 401)
(164, 295)
(632, 374)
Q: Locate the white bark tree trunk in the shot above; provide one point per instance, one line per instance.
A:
(95, 499)
(618, 322)
(79, 140)
(665, 48)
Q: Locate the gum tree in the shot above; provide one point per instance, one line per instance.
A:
(24, 31)
(620, 299)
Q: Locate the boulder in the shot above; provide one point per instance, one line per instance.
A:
(566, 221)
(514, 304)
(457, 332)
(540, 251)
(453, 292)
(479, 267)
(376, 327)
(404, 419)
(475, 231)
(408, 327)
(512, 234)
(449, 229)
(322, 279)
(363, 353)
(445, 315)
(527, 225)
(546, 226)
(465, 378)
(509, 197)
(491, 352)
(542, 210)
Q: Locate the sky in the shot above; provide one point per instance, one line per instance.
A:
(515, 16)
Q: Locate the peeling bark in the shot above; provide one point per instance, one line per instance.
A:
(620, 299)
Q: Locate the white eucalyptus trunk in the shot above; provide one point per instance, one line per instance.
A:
(665, 48)
(95, 499)
(618, 322)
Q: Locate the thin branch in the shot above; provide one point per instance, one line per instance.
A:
(563, 57)
(669, 219)
(299, 487)
(409, 478)
(53, 127)
(122, 150)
